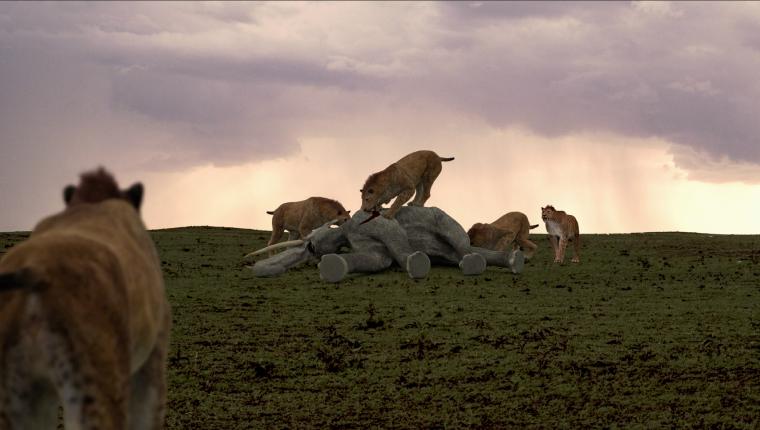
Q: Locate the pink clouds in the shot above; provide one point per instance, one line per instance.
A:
(167, 88)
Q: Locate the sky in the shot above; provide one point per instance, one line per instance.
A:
(632, 116)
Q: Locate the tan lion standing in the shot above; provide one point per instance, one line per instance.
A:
(300, 218)
(509, 232)
(561, 227)
(84, 319)
(410, 176)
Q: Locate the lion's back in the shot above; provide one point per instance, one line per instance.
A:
(417, 163)
(106, 247)
(514, 221)
(323, 205)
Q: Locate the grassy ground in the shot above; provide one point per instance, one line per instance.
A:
(649, 331)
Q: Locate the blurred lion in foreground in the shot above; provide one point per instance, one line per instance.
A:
(84, 319)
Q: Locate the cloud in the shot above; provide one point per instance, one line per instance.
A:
(678, 72)
(225, 79)
(165, 86)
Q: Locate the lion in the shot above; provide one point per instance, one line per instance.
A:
(561, 228)
(84, 318)
(510, 230)
(300, 218)
(414, 173)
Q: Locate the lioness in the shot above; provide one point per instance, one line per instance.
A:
(512, 229)
(561, 228)
(300, 218)
(84, 319)
(415, 172)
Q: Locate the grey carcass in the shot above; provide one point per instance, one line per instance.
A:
(417, 237)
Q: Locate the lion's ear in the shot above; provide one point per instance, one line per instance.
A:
(134, 195)
(68, 193)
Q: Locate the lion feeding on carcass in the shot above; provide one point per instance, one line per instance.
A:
(509, 231)
(300, 218)
(412, 175)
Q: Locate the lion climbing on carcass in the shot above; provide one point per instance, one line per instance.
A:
(84, 319)
(510, 231)
(562, 227)
(413, 175)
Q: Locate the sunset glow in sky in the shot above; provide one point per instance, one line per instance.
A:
(633, 116)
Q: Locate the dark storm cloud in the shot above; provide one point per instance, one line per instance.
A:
(173, 85)
(685, 72)
(98, 76)
(56, 99)
(494, 11)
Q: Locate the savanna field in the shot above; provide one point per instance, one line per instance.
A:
(657, 330)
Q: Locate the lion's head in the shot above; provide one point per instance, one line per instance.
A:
(373, 192)
(99, 185)
(342, 216)
(548, 212)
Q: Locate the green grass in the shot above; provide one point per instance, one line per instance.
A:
(649, 331)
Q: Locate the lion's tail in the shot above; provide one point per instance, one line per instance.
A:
(533, 226)
(446, 158)
(18, 280)
(270, 212)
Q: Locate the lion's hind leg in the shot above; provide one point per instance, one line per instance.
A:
(576, 236)
(93, 385)
(147, 403)
(26, 402)
(418, 195)
(426, 183)
(278, 229)
(576, 249)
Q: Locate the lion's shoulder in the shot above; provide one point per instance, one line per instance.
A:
(561, 223)
(388, 181)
